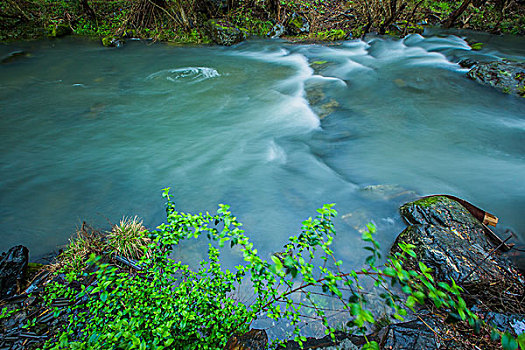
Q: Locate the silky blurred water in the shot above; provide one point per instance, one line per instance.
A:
(90, 133)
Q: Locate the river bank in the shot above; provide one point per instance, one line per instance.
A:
(87, 297)
(195, 21)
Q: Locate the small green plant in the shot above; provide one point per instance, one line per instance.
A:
(129, 238)
(332, 35)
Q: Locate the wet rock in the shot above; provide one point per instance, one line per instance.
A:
(277, 31)
(112, 41)
(343, 341)
(58, 30)
(12, 269)
(513, 323)
(413, 335)
(297, 24)
(254, 339)
(454, 244)
(386, 192)
(506, 76)
(224, 33)
(14, 56)
(327, 108)
(467, 63)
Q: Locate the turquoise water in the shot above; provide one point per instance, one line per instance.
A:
(90, 133)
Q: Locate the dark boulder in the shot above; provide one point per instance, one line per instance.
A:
(297, 24)
(450, 240)
(506, 76)
(224, 33)
(512, 323)
(13, 265)
(411, 335)
(467, 63)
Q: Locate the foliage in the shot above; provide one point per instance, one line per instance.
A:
(182, 20)
(332, 34)
(127, 239)
(167, 305)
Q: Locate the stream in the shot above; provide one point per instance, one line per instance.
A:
(271, 128)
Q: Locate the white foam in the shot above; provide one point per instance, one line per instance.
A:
(291, 88)
(320, 78)
(276, 153)
(185, 74)
(513, 123)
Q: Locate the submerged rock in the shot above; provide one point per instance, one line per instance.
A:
(14, 56)
(450, 240)
(410, 335)
(13, 265)
(506, 76)
(224, 33)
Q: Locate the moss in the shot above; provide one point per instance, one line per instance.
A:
(298, 22)
(476, 46)
(429, 201)
(57, 30)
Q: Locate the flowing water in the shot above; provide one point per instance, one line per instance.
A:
(273, 129)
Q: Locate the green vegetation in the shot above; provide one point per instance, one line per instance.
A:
(163, 304)
(183, 20)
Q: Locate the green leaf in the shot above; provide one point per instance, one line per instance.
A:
(521, 341)
(494, 335)
(508, 342)
(389, 272)
(371, 346)
(277, 262)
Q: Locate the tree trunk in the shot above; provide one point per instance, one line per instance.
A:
(449, 22)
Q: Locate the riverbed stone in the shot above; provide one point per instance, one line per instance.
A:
(505, 75)
(14, 56)
(224, 33)
(454, 244)
(13, 265)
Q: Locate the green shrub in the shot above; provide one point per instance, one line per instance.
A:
(166, 305)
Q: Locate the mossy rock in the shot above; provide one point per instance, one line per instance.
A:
(297, 24)
(224, 33)
(57, 30)
(506, 76)
(450, 240)
(112, 41)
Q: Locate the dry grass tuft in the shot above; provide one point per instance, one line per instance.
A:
(73, 258)
(129, 239)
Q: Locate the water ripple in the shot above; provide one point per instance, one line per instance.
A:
(186, 74)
